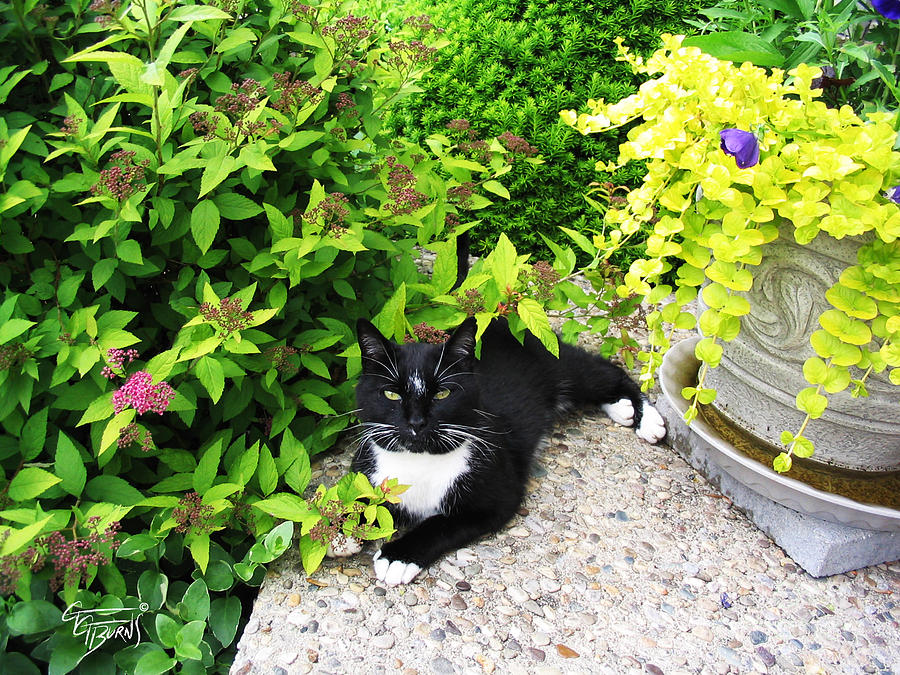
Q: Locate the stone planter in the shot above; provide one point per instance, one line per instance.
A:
(761, 371)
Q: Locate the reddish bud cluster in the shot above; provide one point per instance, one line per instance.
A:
(517, 145)
(70, 126)
(204, 124)
(331, 211)
(193, 515)
(339, 133)
(542, 279)
(188, 73)
(245, 99)
(346, 105)
(131, 433)
(409, 54)
(107, 10)
(280, 356)
(123, 178)
(14, 354)
(294, 93)
(140, 393)
(425, 333)
(71, 558)
(303, 12)
(422, 23)
(349, 31)
(470, 301)
(451, 220)
(229, 315)
(458, 125)
(401, 180)
(461, 195)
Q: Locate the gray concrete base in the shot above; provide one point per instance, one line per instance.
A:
(820, 547)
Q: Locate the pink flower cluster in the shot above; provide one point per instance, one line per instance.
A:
(71, 558)
(400, 185)
(123, 178)
(140, 393)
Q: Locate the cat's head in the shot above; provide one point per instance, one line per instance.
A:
(417, 397)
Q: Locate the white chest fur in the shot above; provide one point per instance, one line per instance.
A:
(429, 476)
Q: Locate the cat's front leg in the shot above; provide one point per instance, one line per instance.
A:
(401, 560)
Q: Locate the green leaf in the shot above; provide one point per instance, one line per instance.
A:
(502, 262)
(166, 628)
(266, 472)
(195, 604)
(845, 328)
(284, 505)
(30, 482)
(205, 224)
(197, 13)
(18, 539)
(709, 352)
(13, 328)
(34, 434)
(234, 206)
(391, 320)
(102, 271)
(811, 402)
(311, 553)
(34, 616)
(130, 251)
(496, 188)
(208, 467)
(114, 490)
(215, 172)
(535, 319)
(154, 662)
(316, 404)
(225, 615)
(782, 463)
(187, 641)
(69, 466)
(212, 376)
(738, 47)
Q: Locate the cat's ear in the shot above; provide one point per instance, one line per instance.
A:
(462, 343)
(372, 344)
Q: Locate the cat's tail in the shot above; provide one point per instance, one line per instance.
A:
(462, 259)
(592, 380)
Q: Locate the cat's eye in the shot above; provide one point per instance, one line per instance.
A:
(442, 394)
(391, 395)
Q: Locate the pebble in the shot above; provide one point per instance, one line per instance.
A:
(385, 641)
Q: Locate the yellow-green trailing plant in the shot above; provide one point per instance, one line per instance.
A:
(731, 151)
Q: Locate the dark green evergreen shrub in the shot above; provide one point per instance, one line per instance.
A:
(512, 66)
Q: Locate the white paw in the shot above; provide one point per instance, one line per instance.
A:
(394, 572)
(620, 412)
(343, 546)
(652, 427)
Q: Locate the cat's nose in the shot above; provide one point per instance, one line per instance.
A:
(416, 424)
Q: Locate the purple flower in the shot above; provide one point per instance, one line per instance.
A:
(890, 9)
(894, 194)
(742, 145)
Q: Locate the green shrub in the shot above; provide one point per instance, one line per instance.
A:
(195, 207)
(512, 66)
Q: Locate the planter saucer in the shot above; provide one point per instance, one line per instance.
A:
(679, 369)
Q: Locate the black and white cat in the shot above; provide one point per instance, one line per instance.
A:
(462, 431)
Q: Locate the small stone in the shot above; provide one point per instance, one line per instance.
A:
(464, 585)
(766, 656)
(520, 532)
(757, 637)
(567, 652)
(536, 654)
(541, 639)
(438, 635)
(486, 664)
(380, 592)
(452, 629)
(312, 656)
(621, 515)
(410, 599)
(442, 666)
(385, 641)
(456, 602)
(654, 670)
(703, 633)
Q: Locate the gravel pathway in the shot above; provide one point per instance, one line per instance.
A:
(622, 560)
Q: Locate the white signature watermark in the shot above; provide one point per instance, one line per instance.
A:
(105, 623)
